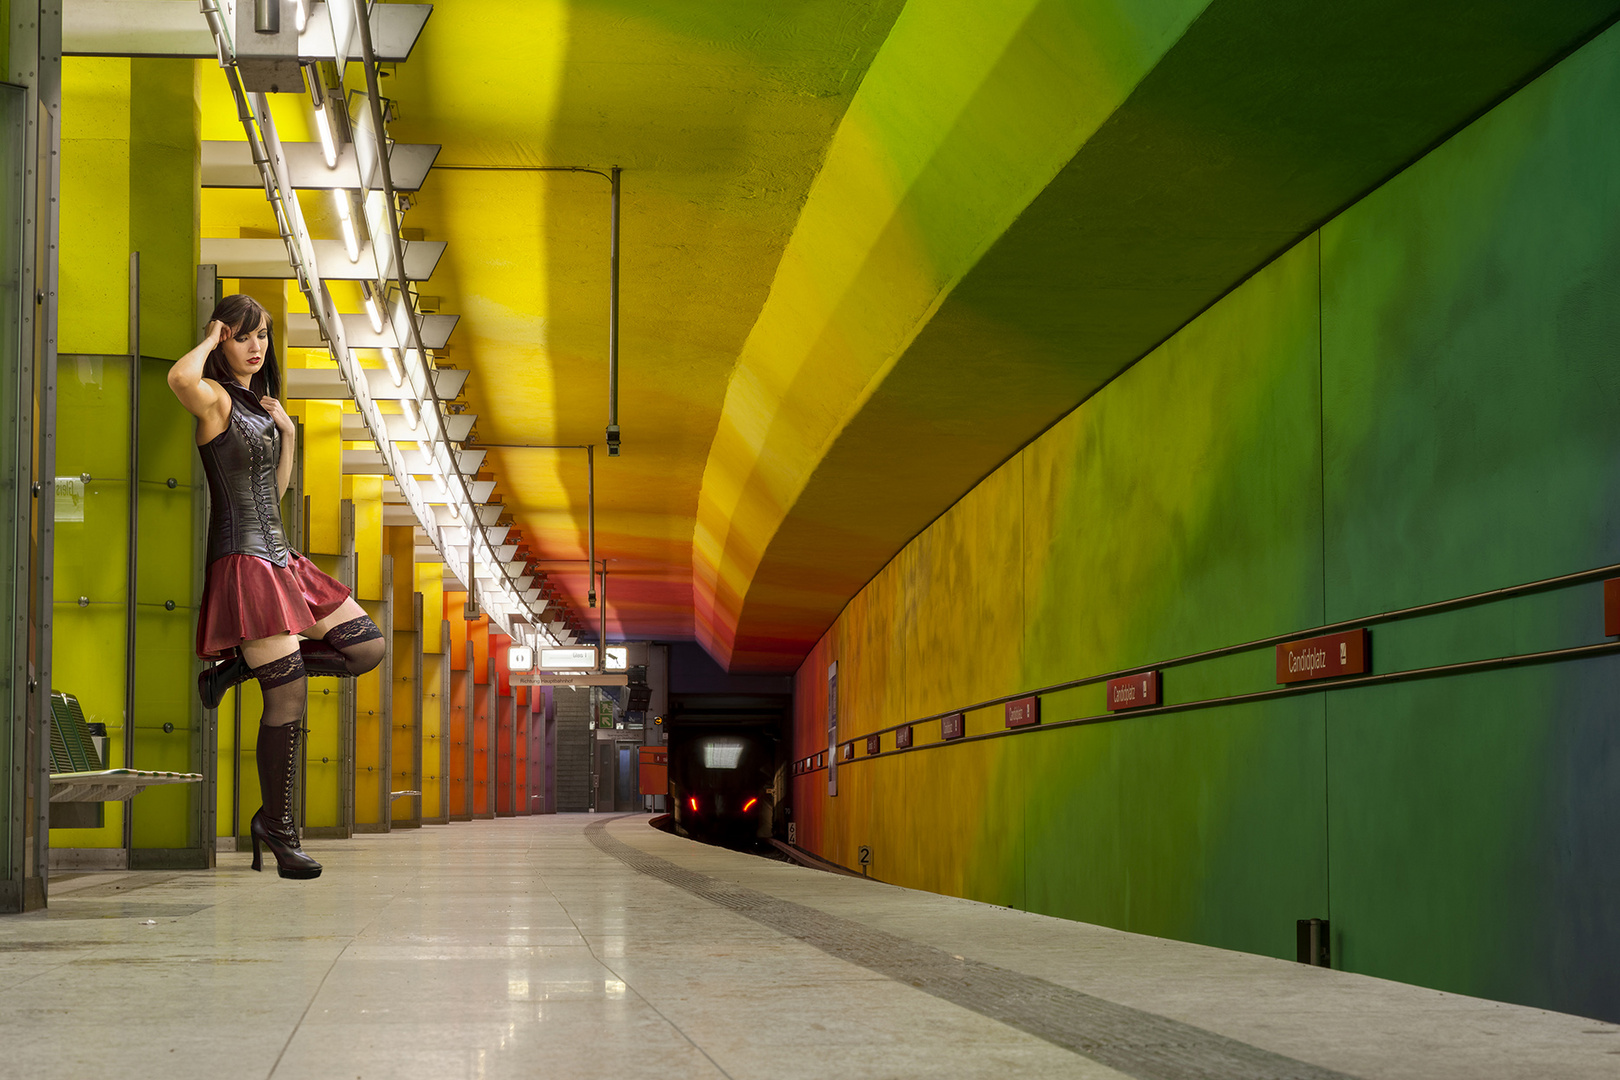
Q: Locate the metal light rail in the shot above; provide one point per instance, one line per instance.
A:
(506, 604)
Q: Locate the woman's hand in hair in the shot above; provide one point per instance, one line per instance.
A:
(279, 415)
(200, 396)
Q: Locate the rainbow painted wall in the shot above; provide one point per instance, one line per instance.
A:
(1415, 402)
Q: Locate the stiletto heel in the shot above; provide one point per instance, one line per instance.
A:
(257, 864)
(273, 824)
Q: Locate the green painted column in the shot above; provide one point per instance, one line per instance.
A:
(165, 131)
(130, 184)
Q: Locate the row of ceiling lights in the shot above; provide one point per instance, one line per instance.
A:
(462, 539)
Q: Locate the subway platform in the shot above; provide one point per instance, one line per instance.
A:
(595, 946)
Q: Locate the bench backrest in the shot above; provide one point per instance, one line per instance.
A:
(72, 749)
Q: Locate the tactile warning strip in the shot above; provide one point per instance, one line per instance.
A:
(1139, 1044)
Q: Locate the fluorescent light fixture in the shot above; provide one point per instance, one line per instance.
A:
(323, 127)
(391, 358)
(408, 406)
(373, 311)
(351, 243)
(301, 18)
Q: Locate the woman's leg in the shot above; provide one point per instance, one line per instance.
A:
(279, 666)
(346, 642)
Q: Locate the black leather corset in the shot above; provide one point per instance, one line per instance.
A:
(244, 513)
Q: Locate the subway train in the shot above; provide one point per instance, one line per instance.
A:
(721, 783)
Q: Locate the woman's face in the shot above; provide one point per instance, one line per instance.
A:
(244, 353)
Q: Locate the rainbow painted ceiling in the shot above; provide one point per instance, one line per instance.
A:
(872, 248)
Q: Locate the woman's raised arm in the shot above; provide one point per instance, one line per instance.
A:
(200, 396)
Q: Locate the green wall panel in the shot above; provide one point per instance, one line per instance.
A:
(1470, 442)
(1414, 404)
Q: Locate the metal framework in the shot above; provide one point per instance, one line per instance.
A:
(413, 375)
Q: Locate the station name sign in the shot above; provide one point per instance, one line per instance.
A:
(1025, 712)
(1133, 691)
(1324, 657)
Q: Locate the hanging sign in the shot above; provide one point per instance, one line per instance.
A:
(1323, 657)
(1025, 712)
(953, 726)
(1611, 607)
(567, 659)
(1134, 691)
(902, 738)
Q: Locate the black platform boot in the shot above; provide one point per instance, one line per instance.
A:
(273, 824)
(212, 682)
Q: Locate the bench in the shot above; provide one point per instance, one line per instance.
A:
(80, 782)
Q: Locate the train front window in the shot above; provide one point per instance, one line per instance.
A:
(722, 754)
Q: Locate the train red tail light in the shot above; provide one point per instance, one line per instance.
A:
(749, 805)
(692, 802)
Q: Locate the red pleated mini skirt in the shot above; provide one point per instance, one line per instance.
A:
(246, 597)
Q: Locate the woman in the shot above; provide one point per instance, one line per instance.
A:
(260, 595)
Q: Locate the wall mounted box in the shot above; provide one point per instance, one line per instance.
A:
(902, 738)
(1324, 657)
(874, 744)
(953, 726)
(1133, 692)
(1025, 712)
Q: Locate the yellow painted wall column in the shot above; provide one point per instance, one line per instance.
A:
(407, 741)
(435, 685)
(370, 775)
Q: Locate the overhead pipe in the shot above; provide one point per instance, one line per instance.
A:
(590, 504)
(601, 639)
(613, 322)
(612, 176)
(590, 517)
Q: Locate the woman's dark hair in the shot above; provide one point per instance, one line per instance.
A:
(243, 314)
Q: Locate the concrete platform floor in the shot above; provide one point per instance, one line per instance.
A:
(583, 946)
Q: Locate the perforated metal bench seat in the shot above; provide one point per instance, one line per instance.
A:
(107, 785)
(81, 777)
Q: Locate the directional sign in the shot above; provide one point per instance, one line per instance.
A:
(569, 678)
